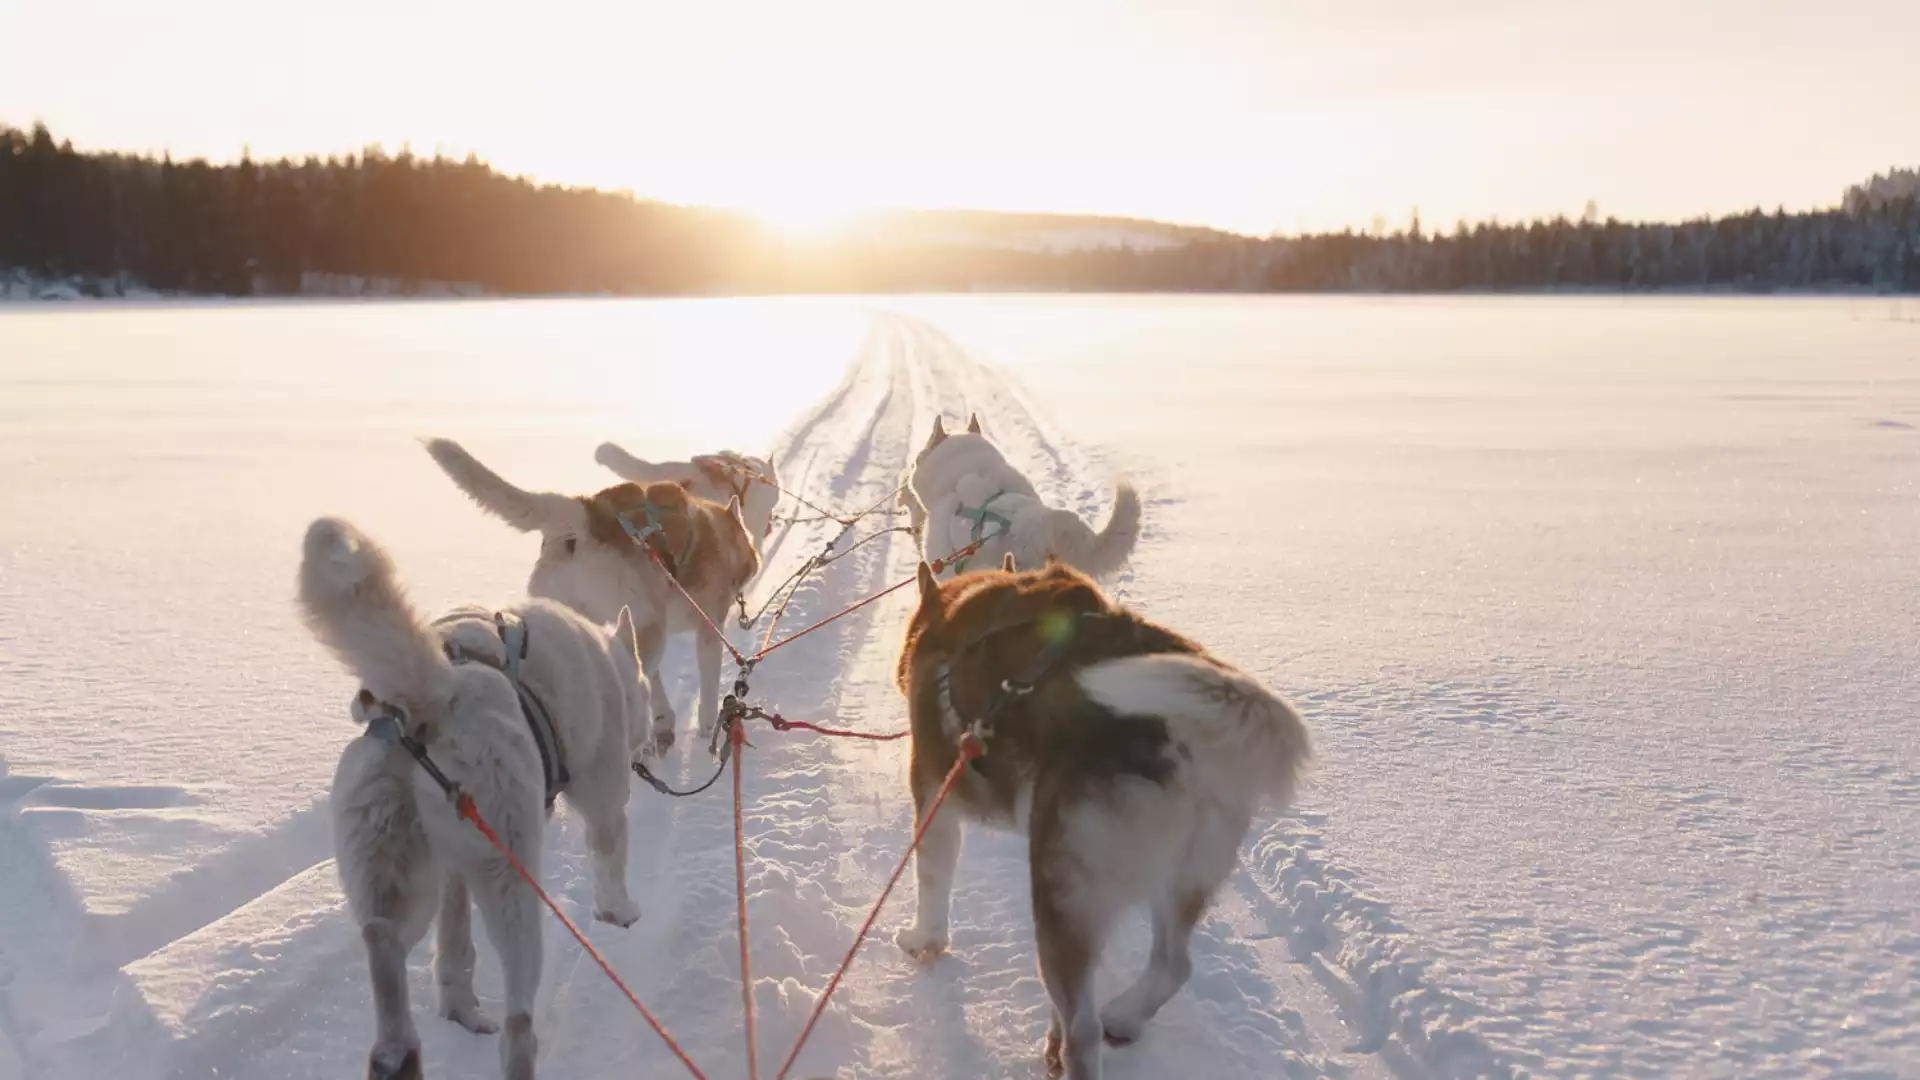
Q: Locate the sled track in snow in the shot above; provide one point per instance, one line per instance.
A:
(1297, 973)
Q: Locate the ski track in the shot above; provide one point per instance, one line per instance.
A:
(248, 966)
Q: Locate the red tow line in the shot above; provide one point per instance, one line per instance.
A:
(469, 812)
(970, 747)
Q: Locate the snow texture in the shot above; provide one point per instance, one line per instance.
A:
(1602, 614)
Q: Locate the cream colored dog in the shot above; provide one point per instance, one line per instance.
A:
(590, 562)
(402, 853)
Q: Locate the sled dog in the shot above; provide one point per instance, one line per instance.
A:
(591, 562)
(515, 708)
(1131, 758)
(961, 489)
(714, 477)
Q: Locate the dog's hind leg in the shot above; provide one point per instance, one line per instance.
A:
(933, 869)
(453, 959)
(1211, 852)
(1069, 943)
(512, 914)
(708, 649)
(1168, 968)
(1073, 911)
(396, 1047)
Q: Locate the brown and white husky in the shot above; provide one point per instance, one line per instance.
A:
(714, 477)
(1131, 758)
(590, 563)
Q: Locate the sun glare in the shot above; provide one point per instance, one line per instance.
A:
(806, 220)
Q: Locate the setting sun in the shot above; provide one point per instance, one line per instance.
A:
(804, 220)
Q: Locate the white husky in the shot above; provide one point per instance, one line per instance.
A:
(402, 852)
(962, 489)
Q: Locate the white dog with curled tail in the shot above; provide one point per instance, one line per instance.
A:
(962, 490)
(557, 713)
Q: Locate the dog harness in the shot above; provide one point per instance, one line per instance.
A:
(980, 515)
(1058, 629)
(654, 528)
(513, 636)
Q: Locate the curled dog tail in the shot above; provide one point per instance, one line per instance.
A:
(625, 465)
(353, 602)
(1246, 742)
(528, 511)
(1113, 545)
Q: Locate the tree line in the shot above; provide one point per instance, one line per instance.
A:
(264, 228)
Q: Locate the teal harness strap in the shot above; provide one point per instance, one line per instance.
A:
(980, 516)
(654, 528)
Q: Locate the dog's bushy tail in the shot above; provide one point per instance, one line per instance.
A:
(353, 602)
(528, 511)
(1113, 545)
(1246, 742)
(625, 465)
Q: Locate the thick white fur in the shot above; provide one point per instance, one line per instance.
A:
(403, 855)
(528, 511)
(757, 505)
(964, 470)
(1248, 745)
(598, 582)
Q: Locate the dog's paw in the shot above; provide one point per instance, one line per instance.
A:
(1121, 1026)
(621, 915)
(394, 1063)
(923, 945)
(1051, 1052)
(471, 1018)
(663, 736)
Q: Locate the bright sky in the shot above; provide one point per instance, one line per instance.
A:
(1241, 114)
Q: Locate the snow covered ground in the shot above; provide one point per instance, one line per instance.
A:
(1603, 613)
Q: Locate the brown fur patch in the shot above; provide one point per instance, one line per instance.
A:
(987, 628)
(697, 532)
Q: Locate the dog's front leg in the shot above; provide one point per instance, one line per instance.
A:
(709, 654)
(933, 869)
(653, 644)
(607, 842)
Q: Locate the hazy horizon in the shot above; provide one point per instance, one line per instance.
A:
(1249, 117)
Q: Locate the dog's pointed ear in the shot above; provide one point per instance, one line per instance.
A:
(939, 433)
(973, 424)
(714, 467)
(929, 588)
(1007, 563)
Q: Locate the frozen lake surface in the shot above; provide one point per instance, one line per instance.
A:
(1603, 613)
